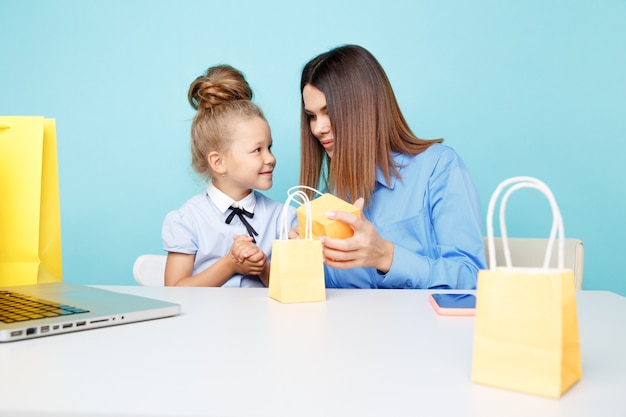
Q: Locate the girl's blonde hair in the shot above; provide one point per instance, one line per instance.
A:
(220, 96)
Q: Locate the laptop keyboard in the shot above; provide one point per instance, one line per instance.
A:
(15, 307)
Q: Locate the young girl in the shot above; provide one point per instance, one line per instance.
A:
(224, 236)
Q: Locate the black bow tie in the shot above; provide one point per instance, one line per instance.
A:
(241, 213)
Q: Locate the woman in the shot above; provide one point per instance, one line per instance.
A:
(421, 224)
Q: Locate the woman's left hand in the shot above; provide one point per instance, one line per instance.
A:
(366, 248)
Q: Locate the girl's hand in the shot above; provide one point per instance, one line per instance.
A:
(241, 248)
(366, 248)
(249, 259)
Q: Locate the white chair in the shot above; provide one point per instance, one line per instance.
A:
(149, 270)
(530, 252)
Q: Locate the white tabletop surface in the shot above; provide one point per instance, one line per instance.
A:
(236, 352)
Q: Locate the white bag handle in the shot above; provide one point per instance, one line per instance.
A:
(303, 200)
(290, 191)
(517, 183)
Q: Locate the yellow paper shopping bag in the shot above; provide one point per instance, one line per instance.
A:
(526, 329)
(297, 266)
(321, 224)
(30, 219)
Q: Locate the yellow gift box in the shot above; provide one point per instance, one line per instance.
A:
(322, 225)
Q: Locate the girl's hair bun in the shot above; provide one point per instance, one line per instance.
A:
(219, 85)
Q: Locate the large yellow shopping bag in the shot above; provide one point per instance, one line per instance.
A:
(526, 329)
(30, 219)
(297, 267)
(321, 224)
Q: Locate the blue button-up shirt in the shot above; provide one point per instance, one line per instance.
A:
(432, 216)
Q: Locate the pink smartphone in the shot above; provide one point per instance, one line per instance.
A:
(453, 304)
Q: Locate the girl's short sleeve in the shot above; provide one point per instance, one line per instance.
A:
(179, 233)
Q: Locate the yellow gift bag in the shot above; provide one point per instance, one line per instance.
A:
(526, 328)
(297, 266)
(30, 219)
(321, 224)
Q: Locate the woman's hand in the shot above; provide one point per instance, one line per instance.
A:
(366, 248)
(294, 233)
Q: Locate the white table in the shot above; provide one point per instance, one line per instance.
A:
(236, 352)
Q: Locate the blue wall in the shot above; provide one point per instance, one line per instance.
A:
(517, 88)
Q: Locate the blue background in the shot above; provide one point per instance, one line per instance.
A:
(517, 88)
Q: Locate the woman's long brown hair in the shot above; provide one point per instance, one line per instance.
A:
(366, 120)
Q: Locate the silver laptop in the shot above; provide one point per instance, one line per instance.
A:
(29, 311)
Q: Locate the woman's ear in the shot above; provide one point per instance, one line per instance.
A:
(216, 162)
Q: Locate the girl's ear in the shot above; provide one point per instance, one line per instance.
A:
(216, 162)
